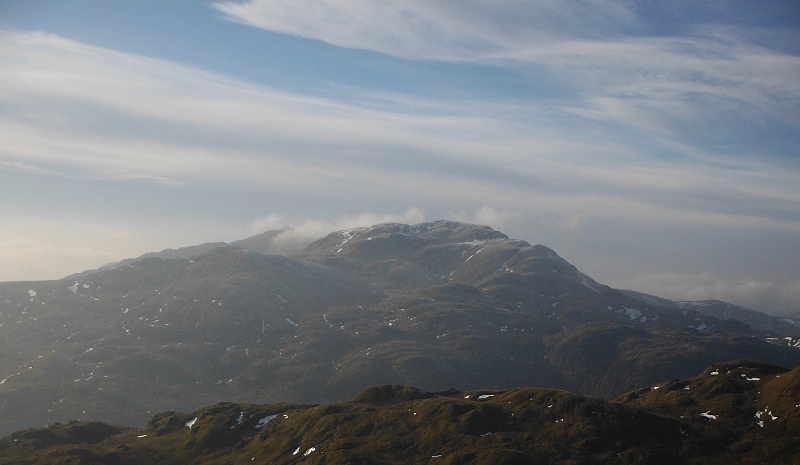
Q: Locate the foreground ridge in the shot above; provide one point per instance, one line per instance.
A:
(735, 412)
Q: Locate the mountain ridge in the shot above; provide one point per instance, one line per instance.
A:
(434, 305)
(269, 242)
(734, 412)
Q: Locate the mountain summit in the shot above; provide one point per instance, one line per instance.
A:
(433, 305)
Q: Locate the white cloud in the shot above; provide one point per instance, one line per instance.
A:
(314, 229)
(708, 86)
(432, 29)
(201, 128)
(775, 297)
(68, 105)
(267, 223)
(692, 89)
(299, 232)
(22, 166)
(77, 108)
(499, 220)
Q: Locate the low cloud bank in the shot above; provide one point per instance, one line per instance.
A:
(777, 298)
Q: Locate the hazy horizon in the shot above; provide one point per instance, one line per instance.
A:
(652, 145)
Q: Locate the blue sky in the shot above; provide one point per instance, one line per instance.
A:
(652, 144)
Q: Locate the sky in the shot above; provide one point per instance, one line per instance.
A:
(653, 144)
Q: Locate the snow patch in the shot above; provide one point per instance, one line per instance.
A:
(476, 253)
(632, 313)
(586, 283)
(504, 268)
(265, 420)
(349, 234)
(191, 422)
(708, 415)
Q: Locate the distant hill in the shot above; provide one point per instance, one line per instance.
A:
(758, 321)
(434, 305)
(737, 412)
(781, 326)
(274, 241)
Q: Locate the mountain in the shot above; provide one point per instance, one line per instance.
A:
(434, 305)
(736, 412)
(758, 321)
(274, 241)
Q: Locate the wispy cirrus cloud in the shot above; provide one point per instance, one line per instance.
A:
(88, 111)
(438, 29)
(709, 85)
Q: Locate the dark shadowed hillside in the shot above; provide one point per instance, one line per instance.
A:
(736, 412)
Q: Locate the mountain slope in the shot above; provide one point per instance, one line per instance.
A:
(162, 334)
(434, 305)
(758, 321)
(740, 412)
(275, 241)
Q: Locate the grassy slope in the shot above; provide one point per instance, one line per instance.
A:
(714, 420)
